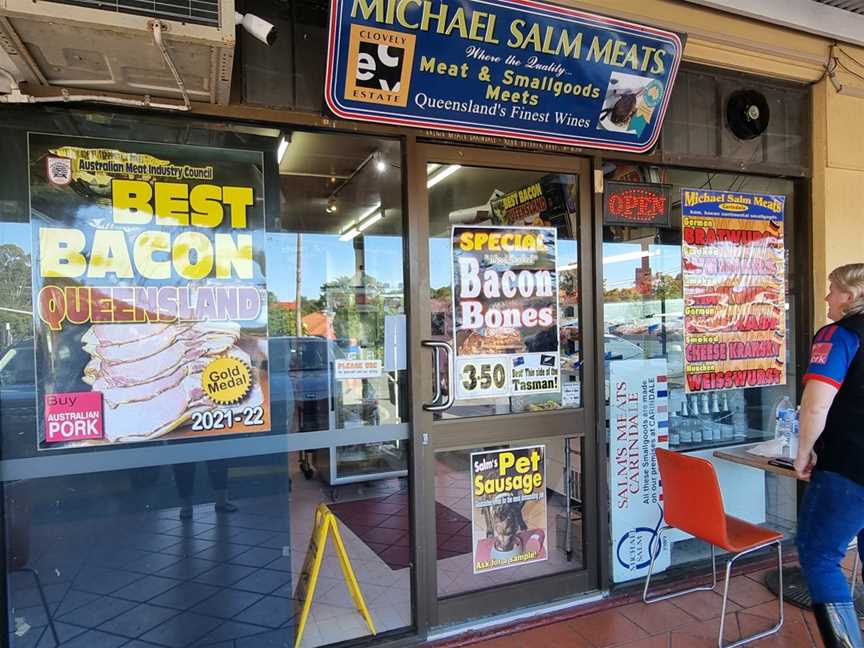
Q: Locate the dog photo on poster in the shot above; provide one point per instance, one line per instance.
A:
(508, 507)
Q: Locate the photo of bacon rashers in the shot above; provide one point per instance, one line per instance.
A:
(150, 379)
(156, 356)
(119, 346)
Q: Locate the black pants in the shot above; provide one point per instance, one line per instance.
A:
(184, 476)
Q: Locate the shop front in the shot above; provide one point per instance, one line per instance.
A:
(451, 324)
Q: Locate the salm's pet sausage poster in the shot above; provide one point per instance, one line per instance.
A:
(149, 291)
(508, 507)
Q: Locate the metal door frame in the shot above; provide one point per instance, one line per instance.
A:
(429, 437)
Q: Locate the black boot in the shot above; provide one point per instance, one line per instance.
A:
(838, 625)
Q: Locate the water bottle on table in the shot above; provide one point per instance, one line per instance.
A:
(784, 426)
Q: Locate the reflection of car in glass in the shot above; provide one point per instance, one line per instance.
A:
(302, 379)
(615, 348)
(18, 398)
(652, 327)
(301, 382)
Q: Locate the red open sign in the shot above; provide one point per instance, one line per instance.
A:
(629, 203)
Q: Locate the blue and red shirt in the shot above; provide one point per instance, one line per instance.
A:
(833, 350)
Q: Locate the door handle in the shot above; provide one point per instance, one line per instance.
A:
(436, 368)
(437, 405)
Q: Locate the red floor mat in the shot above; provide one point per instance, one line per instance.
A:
(383, 524)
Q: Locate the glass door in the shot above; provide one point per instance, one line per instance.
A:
(502, 341)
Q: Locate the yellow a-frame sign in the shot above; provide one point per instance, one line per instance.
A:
(325, 524)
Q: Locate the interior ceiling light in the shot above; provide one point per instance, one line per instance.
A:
(368, 218)
(380, 164)
(369, 211)
(369, 222)
(331, 206)
(283, 146)
(350, 234)
(445, 173)
(630, 256)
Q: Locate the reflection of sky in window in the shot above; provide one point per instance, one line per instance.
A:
(16, 234)
(621, 272)
(325, 258)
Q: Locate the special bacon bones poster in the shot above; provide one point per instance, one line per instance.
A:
(149, 291)
(505, 305)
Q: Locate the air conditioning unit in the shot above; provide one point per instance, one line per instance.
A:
(109, 46)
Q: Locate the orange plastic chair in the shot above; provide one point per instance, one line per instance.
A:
(692, 502)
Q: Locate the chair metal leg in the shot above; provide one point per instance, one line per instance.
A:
(856, 567)
(764, 633)
(665, 597)
(44, 601)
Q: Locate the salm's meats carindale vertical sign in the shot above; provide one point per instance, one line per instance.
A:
(525, 69)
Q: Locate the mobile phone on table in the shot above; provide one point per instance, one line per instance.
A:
(782, 462)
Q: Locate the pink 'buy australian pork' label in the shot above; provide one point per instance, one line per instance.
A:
(74, 416)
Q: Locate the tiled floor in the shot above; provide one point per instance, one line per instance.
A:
(691, 621)
(147, 579)
(383, 523)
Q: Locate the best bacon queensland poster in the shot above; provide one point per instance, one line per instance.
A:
(149, 291)
(734, 289)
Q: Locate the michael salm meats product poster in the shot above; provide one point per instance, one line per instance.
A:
(149, 291)
(734, 289)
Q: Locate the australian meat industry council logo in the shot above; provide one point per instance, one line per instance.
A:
(379, 66)
(59, 170)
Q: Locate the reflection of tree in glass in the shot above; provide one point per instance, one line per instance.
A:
(667, 286)
(663, 286)
(15, 291)
(568, 283)
(358, 306)
(280, 315)
(441, 293)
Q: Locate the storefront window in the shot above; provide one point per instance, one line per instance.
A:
(645, 315)
(340, 280)
(192, 526)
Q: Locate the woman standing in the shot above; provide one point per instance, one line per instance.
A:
(831, 455)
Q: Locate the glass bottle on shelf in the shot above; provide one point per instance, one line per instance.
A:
(686, 433)
(674, 431)
(674, 425)
(726, 425)
(696, 421)
(739, 416)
